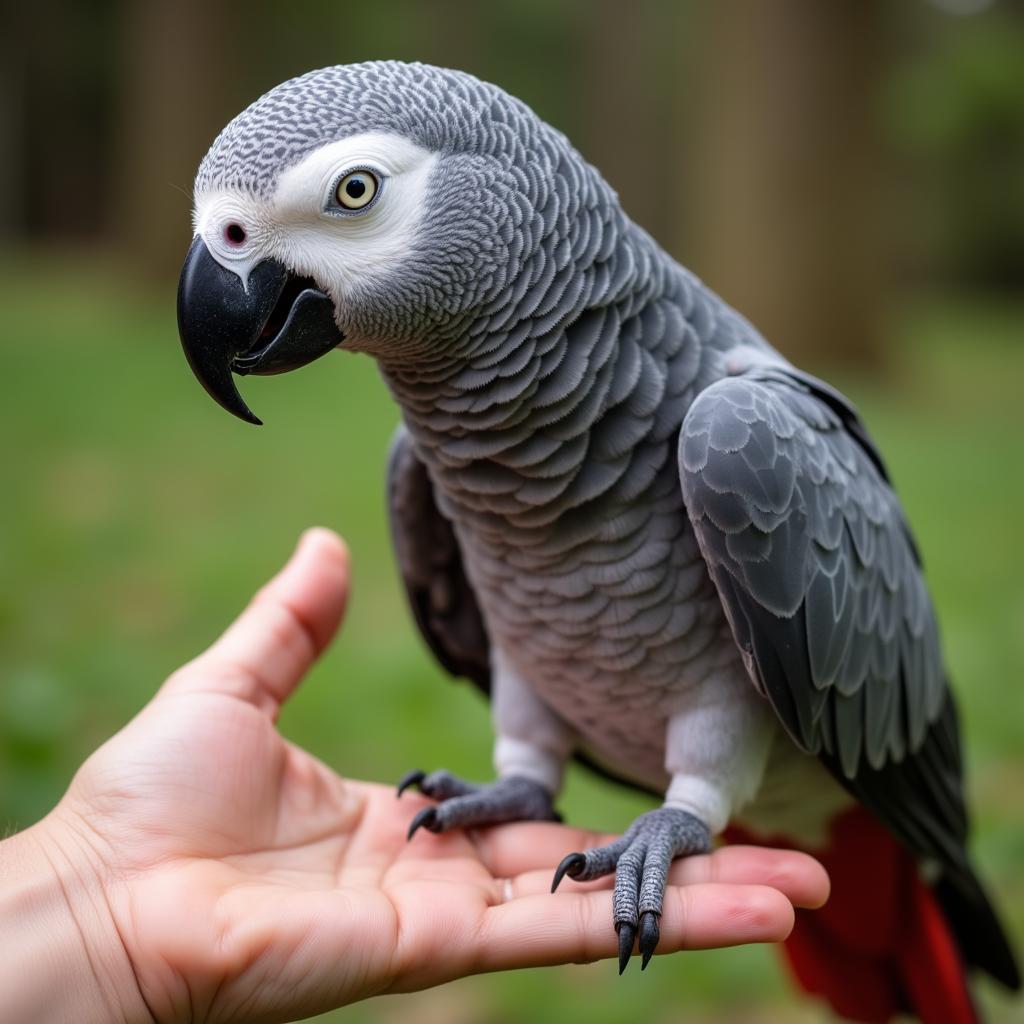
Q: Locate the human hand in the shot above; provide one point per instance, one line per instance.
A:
(212, 870)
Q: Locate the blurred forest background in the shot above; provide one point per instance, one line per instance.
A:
(848, 173)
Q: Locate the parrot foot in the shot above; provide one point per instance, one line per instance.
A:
(640, 859)
(468, 804)
(437, 785)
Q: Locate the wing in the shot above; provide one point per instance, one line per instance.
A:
(822, 585)
(823, 588)
(430, 564)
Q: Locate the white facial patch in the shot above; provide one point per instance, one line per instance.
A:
(344, 251)
(300, 226)
(219, 216)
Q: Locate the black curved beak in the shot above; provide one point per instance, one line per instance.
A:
(275, 323)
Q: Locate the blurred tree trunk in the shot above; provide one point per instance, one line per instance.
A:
(182, 76)
(627, 104)
(58, 90)
(453, 33)
(785, 215)
(13, 101)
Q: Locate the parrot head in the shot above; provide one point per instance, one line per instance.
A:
(377, 207)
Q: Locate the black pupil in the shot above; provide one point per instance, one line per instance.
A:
(235, 233)
(356, 188)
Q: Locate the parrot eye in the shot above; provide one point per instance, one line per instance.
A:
(234, 234)
(357, 190)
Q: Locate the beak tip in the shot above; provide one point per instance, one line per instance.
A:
(248, 417)
(237, 407)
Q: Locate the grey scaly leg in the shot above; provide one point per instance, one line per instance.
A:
(640, 859)
(467, 804)
(530, 751)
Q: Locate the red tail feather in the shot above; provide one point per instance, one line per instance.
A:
(881, 945)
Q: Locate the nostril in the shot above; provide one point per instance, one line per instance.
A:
(234, 233)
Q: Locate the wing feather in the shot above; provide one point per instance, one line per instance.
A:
(818, 574)
(430, 564)
(822, 585)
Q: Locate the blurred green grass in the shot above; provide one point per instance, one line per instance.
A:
(137, 517)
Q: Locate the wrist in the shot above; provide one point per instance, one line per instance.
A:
(63, 956)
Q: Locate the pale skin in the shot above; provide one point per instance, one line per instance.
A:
(203, 868)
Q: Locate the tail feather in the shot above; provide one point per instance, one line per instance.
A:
(979, 933)
(882, 945)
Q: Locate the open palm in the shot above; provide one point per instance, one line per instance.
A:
(249, 882)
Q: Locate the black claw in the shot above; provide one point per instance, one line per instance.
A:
(413, 778)
(627, 934)
(427, 818)
(571, 865)
(650, 932)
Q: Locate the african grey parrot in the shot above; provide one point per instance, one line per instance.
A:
(655, 542)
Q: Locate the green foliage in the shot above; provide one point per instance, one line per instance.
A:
(137, 517)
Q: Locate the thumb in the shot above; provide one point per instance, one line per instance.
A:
(266, 651)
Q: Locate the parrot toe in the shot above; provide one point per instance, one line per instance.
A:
(413, 778)
(572, 865)
(627, 934)
(426, 818)
(640, 859)
(650, 932)
(468, 804)
(437, 785)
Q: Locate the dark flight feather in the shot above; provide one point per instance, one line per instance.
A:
(822, 584)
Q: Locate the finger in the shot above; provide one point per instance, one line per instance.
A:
(267, 650)
(800, 878)
(797, 875)
(523, 846)
(520, 849)
(535, 931)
